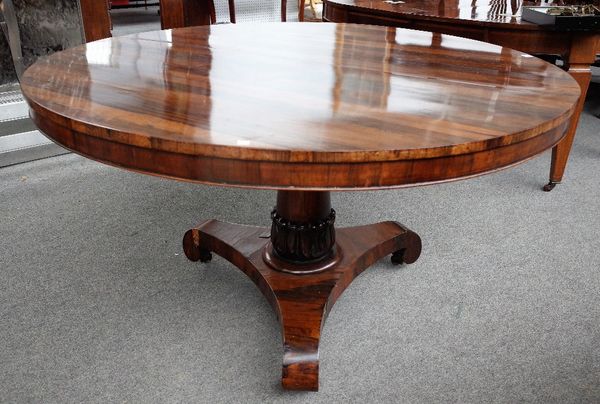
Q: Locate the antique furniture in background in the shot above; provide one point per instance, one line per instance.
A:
(493, 21)
(96, 19)
(383, 108)
(187, 13)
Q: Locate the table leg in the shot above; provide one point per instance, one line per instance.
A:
(578, 61)
(302, 291)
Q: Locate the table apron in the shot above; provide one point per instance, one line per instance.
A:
(297, 175)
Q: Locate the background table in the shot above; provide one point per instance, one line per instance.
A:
(352, 107)
(490, 21)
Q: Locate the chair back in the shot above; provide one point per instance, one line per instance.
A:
(186, 13)
(238, 11)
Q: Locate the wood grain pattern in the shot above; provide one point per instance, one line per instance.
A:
(301, 302)
(491, 21)
(96, 19)
(383, 107)
(185, 13)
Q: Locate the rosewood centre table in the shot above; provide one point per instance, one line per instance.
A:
(494, 21)
(347, 107)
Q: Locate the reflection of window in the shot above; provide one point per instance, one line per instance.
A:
(404, 37)
(150, 72)
(98, 53)
(421, 101)
(362, 78)
(250, 68)
(453, 42)
(168, 37)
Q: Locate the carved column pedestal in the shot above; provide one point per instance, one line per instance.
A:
(302, 233)
(302, 265)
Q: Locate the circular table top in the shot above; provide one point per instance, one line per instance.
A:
(470, 12)
(299, 105)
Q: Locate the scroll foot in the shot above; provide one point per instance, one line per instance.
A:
(550, 186)
(398, 257)
(193, 248)
(205, 256)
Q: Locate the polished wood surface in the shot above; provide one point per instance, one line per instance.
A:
(301, 302)
(376, 107)
(494, 21)
(347, 107)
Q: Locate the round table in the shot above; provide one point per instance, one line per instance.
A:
(304, 109)
(495, 21)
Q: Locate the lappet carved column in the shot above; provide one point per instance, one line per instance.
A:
(302, 232)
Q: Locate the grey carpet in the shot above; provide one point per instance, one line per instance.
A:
(98, 303)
